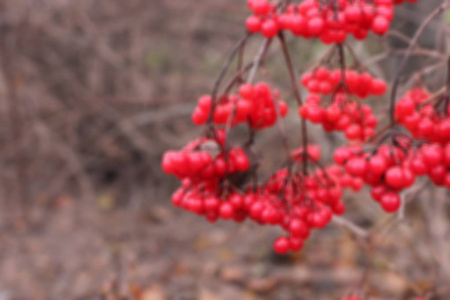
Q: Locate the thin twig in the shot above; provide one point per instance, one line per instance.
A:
(350, 226)
(222, 74)
(258, 59)
(289, 64)
(298, 98)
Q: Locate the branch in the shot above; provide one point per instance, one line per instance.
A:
(292, 75)
(350, 226)
(258, 59)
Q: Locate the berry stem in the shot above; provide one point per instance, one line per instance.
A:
(298, 97)
(221, 76)
(237, 78)
(258, 59)
(447, 88)
(240, 61)
(342, 65)
(282, 130)
(292, 75)
(356, 62)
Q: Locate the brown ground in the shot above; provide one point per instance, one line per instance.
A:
(91, 94)
(80, 251)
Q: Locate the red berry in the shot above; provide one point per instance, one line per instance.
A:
(432, 155)
(390, 202)
(295, 244)
(316, 26)
(378, 87)
(260, 7)
(226, 211)
(211, 204)
(380, 25)
(253, 24)
(269, 28)
(377, 164)
(356, 166)
(281, 245)
(246, 91)
(378, 192)
(395, 177)
(341, 155)
(353, 13)
(298, 228)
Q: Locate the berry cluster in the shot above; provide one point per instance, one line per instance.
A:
(294, 200)
(357, 121)
(424, 120)
(205, 160)
(298, 203)
(303, 195)
(433, 160)
(203, 167)
(212, 201)
(330, 21)
(254, 104)
(344, 179)
(386, 169)
(343, 113)
(326, 82)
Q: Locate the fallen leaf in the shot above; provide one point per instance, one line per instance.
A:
(261, 285)
(202, 243)
(135, 291)
(106, 201)
(154, 292)
(232, 274)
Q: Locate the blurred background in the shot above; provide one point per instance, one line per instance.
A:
(92, 92)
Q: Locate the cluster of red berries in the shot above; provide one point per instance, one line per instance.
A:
(331, 21)
(213, 202)
(299, 198)
(202, 166)
(386, 170)
(299, 203)
(357, 121)
(254, 104)
(326, 82)
(432, 160)
(275, 203)
(295, 201)
(424, 120)
(429, 122)
(205, 160)
(344, 179)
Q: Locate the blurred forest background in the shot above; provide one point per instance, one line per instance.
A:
(91, 94)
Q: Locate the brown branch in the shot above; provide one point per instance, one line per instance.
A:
(289, 64)
(351, 227)
(258, 59)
